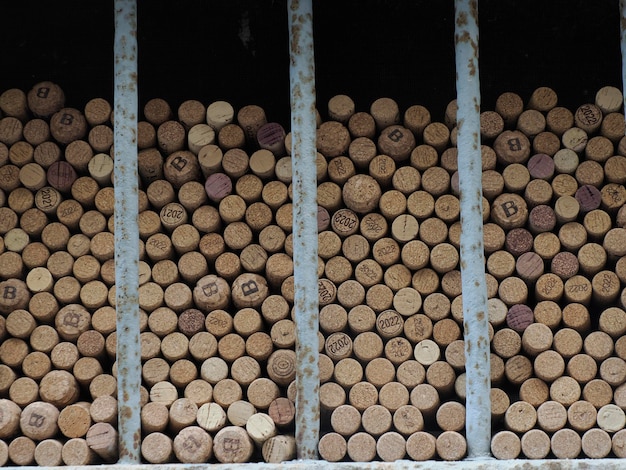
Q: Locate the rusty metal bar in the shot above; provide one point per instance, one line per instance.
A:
(475, 310)
(127, 232)
(303, 131)
(622, 24)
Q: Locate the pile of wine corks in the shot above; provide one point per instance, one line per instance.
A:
(216, 281)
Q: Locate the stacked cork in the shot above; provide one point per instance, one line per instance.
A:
(216, 281)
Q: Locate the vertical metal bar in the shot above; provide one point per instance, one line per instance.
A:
(622, 24)
(303, 131)
(475, 311)
(127, 231)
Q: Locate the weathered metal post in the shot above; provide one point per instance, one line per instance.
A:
(475, 310)
(303, 131)
(127, 232)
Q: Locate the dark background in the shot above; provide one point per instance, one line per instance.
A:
(192, 49)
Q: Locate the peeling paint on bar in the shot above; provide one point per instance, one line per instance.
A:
(476, 334)
(127, 232)
(306, 303)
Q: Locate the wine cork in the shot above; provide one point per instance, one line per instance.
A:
(340, 169)
(614, 169)
(279, 449)
(451, 416)
(67, 125)
(599, 149)
(596, 443)
(612, 370)
(588, 117)
(367, 346)
(146, 136)
(48, 453)
(21, 450)
(262, 391)
(506, 445)
(362, 124)
(613, 196)
(597, 223)
(576, 316)
(46, 153)
(531, 122)
(20, 200)
(157, 448)
(518, 369)
(565, 390)
(565, 161)
(546, 142)
(565, 265)
(100, 137)
(512, 147)
(501, 264)
(549, 365)
(581, 415)
(102, 438)
(516, 178)
(520, 417)
(231, 137)
(451, 446)
(537, 338)
(361, 447)
(589, 173)
(157, 111)
(605, 287)
(332, 447)
(491, 125)
(509, 105)
(567, 342)
(333, 395)
(493, 184)
(509, 211)
(23, 391)
(74, 421)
